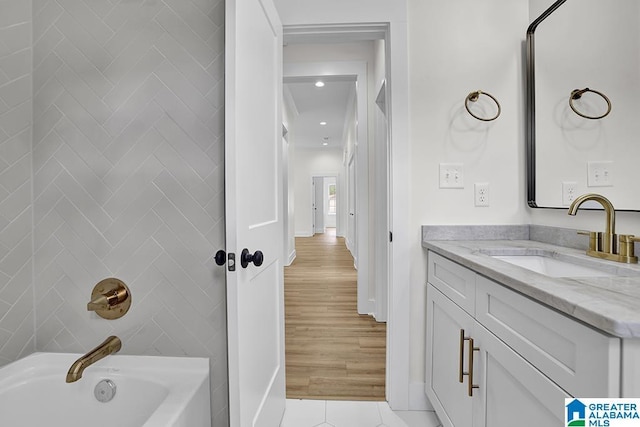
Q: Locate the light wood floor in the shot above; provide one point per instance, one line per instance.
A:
(332, 353)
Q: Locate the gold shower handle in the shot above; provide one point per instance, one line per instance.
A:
(110, 299)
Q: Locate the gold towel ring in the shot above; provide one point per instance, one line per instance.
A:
(577, 94)
(473, 97)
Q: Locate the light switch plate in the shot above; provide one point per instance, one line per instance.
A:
(600, 174)
(451, 175)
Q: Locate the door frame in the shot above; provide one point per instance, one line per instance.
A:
(335, 176)
(400, 392)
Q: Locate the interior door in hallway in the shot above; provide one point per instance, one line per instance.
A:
(318, 205)
(254, 220)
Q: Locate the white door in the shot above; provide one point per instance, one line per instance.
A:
(318, 204)
(352, 234)
(254, 218)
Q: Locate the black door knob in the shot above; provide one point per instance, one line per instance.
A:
(247, 257)
(221, 257)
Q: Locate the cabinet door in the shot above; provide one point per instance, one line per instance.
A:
(449, 397)
(511, 391)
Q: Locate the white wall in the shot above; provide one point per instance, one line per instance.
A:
(16, 207)
(379, 181)
(300, 12)
(307, 163)
(455, 48)
(288, 116)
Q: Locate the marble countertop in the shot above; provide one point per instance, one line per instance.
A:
(611, 304)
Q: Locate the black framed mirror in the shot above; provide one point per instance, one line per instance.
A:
(589, 143)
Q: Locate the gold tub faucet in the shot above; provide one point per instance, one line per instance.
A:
(109, 346)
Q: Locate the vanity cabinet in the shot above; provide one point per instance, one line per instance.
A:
(520, 357)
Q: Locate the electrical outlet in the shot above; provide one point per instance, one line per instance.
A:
(451, 175)
(599, 174)
(568, 192)
(481, 190)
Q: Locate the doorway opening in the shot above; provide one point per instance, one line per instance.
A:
(324, 204)
(331, 351)
(361, 235)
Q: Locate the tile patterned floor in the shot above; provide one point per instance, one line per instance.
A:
(333, 413)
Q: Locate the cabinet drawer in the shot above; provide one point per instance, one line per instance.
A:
(455, 281)
(560, 347)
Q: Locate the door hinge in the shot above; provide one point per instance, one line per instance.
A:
(391, 236)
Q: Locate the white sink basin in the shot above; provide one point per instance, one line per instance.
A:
(551, 266)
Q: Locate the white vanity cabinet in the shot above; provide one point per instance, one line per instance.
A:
(525, 358)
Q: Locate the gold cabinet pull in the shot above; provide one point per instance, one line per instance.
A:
(471, 385)
(461, 358)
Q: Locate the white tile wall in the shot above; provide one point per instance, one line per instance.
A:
(16, 251)
(127, 176)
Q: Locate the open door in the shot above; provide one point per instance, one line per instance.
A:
(254, 218)
(318, 205)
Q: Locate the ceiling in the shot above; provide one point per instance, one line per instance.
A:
(314, 105)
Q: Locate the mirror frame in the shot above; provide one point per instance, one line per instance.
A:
(530, 107)
(530, 111)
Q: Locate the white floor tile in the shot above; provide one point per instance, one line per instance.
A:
(419, 418)
(389, 418)
(304, 413)
(353, 414)
(333, 413)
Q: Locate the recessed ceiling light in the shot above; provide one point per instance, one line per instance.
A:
(325, 143)
(323, 123)
(319, 83)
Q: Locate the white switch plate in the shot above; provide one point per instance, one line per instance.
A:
(599, 174)
(481, 191)
(451, 175)
(568, 192)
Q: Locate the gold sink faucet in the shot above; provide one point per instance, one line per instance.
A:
(606, 245)
(109, 346)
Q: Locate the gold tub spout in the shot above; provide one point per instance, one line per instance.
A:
(109, 346)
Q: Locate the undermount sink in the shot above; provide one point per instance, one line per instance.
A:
(552, 267)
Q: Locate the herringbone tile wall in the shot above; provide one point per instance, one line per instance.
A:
(16, 252)
(127, 173)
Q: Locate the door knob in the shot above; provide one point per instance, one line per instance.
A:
(247, 257)
(221, 257)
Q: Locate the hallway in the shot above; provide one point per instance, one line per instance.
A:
(332, 353)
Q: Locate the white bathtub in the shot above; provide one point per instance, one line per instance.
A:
(150, 392)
